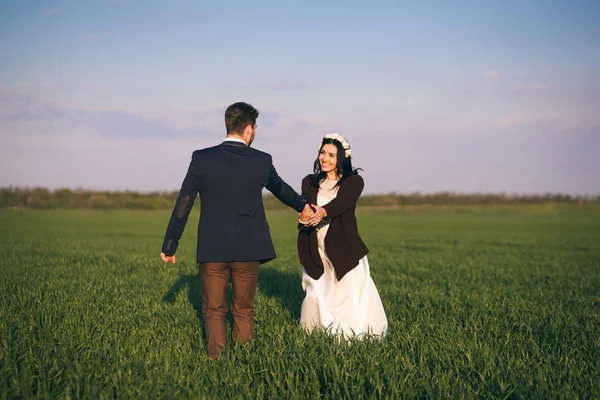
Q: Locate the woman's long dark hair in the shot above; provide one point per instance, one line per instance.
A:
(343, 166)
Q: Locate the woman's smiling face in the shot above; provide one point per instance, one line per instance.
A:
(328, 157)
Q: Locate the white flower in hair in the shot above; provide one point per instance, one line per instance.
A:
(340, 139)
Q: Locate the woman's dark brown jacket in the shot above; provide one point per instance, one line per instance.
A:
(343, 245)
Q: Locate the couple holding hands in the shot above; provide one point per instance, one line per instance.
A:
(234, 238)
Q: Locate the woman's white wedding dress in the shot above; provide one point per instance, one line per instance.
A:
(350, 307)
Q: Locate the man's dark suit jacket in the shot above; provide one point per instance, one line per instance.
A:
(230, 178)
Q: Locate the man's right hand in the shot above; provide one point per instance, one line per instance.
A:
(167, 258)
(306, 214)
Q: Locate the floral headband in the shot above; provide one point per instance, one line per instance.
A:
(340, 139)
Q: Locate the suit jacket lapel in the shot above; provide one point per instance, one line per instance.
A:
(312, 195)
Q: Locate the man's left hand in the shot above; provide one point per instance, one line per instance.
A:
(167, 258)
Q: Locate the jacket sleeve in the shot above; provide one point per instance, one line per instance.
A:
(305, 189)
(284, 192)
(181, 211)
(346, 198)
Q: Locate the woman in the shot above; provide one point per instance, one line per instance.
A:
(340, 294)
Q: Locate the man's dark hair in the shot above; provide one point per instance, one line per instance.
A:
(238, 116)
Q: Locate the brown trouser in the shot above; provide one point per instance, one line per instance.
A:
(215, 277)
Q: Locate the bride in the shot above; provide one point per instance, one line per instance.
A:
(340, 294)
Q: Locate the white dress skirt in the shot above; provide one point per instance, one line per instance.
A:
(350, 307)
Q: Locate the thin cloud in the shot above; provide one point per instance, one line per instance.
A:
(563, 124)
(52, 11)
(491, 74)
(266, 87)
(530, 88)
(275, 124)
(484, 83)
(554, 123)
(20, 105)
(513, 121)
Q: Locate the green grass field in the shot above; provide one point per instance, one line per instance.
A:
(488, 302)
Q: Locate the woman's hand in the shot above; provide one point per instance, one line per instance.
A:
(320, 213)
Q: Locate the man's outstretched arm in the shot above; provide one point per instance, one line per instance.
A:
(179, 216)
(284, 192)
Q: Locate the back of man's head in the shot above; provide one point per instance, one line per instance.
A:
(238, 116)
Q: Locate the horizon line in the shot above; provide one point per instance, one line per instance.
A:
(389, 193)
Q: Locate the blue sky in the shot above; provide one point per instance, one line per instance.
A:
(464, 96)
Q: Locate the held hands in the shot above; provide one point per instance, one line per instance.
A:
(312, 215)
(167, 258)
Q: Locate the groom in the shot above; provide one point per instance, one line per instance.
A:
(233, 234)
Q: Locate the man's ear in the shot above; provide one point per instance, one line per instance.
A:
(248, 130)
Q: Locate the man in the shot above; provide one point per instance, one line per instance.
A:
(233, 234)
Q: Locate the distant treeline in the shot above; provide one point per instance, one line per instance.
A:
(42, 198)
